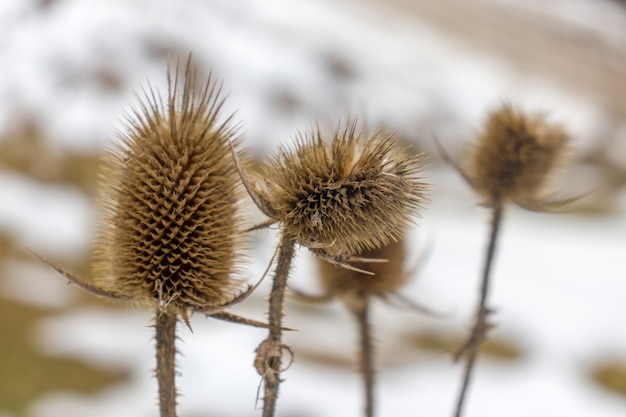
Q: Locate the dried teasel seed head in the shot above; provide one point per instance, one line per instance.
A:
(354, 288)
(169, 225)
(514, 157)
(355, 193)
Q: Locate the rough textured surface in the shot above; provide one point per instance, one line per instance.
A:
(357, 192)
(514, 156)
(168, 226)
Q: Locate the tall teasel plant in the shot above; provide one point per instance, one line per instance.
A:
(357, 290)
(169, 230)
(510, 164)
(353, 193)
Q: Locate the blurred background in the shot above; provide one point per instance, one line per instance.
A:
(69, 71)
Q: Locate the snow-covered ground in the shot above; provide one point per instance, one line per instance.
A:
(559, 279)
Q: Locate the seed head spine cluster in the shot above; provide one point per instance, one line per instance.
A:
(170, 229)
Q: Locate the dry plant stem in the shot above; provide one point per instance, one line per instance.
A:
(269, 352)
(481, 324)
(366, 356)
(166, 362)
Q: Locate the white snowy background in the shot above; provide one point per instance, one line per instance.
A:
(559, 283)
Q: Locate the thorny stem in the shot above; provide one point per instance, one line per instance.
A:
(166, 363)
(269, 353)
(366, 356)
(481, 324)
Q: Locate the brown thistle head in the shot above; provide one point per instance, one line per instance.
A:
(169, 226)
(342, 197)
(514, 156)
(355, 288)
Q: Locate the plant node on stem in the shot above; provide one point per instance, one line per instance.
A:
(336, 198)
(511, 163)
(268, 361)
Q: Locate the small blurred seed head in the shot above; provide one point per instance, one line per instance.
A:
(354, 288)
(169, 225)
(514, 156)
(355, 193)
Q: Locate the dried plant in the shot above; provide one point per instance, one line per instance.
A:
(511, 164)
(169, 230)
(355, 193)
(356, 290)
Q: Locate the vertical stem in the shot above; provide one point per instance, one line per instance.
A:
(496, 219)
(269, 352)
(481, 325)
(366, 356)
(166, 362)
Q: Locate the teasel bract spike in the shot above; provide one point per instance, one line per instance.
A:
(351, 287)
(337, 198)
(169, 231)
(510, 164)
(357, 291)
(514, 157)
(341, 197)
(169, 210)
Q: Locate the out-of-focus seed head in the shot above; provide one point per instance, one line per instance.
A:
(354, 287)
(169, 223)
(355, 193)
(514, 157)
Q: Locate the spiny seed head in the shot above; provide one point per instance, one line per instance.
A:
(169, 224)
(354, 287)
(355, 193)
(514, 156)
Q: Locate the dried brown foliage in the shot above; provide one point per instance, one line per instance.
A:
(354, 193)
(355, 288)
(514, 157)
(169, 226)
(169, 222)
(511, 163)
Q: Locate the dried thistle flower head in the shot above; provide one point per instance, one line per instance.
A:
(169, 224)
(355, 288)
(514, 157)
(355, 193)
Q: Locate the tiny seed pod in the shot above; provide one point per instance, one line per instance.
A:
(354, 193)
(168, 226)
(514, 157)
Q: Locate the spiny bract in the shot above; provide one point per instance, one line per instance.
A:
(355, 193)
(354, 288)
(514, 157)
(168, 227)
